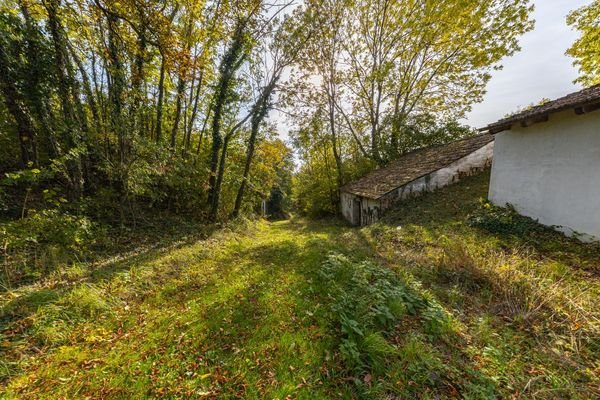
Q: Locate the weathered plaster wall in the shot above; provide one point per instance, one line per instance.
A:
(368, 213)
(346, 200)
(474, 162)
(551, 172)
(371, 210)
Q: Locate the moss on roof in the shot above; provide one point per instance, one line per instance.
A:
(414, 165)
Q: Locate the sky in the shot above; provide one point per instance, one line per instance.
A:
(540, 70)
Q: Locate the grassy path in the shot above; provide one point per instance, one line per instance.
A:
(419, 306)
(226, 317)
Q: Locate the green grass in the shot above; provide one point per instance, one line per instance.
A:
(420, 305)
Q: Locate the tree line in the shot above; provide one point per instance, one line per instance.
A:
(167, 103)
(149, 99)
(384, 77)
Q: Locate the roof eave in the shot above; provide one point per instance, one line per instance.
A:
(527, 121)
(363, 195)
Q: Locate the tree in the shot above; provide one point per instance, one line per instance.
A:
(89, 90)
(230, 63)
(382, 77)
(250, 28)
(17, 108)
(586, 49)
(414, 57)
(380, 61)
(272, 60)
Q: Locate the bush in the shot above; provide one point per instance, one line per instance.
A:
(42, 241)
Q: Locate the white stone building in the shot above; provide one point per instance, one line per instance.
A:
(547, 163)
(423, 170)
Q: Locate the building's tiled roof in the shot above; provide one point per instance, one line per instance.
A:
(414, 165)
(578, 101)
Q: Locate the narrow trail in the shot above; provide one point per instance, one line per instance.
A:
(232, 316)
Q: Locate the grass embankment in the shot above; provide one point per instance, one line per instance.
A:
(421, 305)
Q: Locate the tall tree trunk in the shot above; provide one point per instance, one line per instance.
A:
(63, 70)
(190, 125)
(178, 101)
(259, 112)
(217, 142)
(33, 90)
(116, 90)
(181, 84)
(91, 98)
(220, 175)
(137, 79)
(159, 105)
(334, 143)
(201, 135)
(17, 108)
(161, 83)
(52, 6)
(231, 62)
(249, 156)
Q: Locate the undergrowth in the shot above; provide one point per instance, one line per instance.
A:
(393, 335)
(523, 295)
(34, 246)
(367, 301)
(429, 303)
(504, 220)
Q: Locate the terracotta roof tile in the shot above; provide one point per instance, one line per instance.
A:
(414, 165)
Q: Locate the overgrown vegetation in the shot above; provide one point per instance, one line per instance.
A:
(385, 323)
(504, 220)
(523, 295)
(136, 149)
(35, 246)
(368, 301)
(420, 305)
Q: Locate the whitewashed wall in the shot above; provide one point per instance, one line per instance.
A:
(371, 210)
(551, 172)
(466, 166)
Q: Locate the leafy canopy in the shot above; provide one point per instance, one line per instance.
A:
(586, 49)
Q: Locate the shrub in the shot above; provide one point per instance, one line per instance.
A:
(42, 241)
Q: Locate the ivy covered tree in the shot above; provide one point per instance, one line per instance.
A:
(141, 103)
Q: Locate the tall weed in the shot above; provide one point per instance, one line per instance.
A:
(366, 303)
